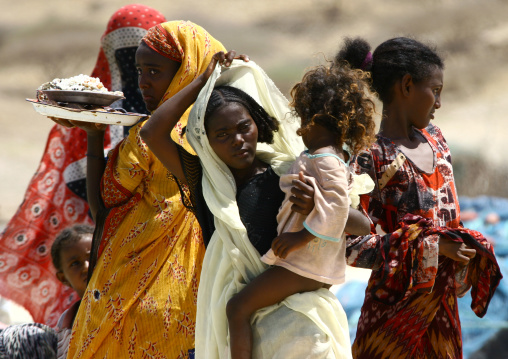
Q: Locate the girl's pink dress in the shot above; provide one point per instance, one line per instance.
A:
(323, 259)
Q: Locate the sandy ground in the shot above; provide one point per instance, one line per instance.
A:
(43, 40)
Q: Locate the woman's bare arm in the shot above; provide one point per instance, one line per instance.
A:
(95, 163)
(157, 130)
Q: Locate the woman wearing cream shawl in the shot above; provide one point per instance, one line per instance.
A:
(141, 298)
(308, 325)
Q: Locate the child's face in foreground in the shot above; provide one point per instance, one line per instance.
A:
(233, 135)
(155, 73)
(74, 259)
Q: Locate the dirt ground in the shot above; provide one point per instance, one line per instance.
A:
(43, 40)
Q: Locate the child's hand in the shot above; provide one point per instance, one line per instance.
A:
(302, 195)
(459, 252)
(290, 241)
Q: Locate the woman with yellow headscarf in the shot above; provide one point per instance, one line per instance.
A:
(141, 297)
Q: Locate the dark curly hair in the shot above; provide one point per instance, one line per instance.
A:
(391, 60)
(223, 95)
(336, 98)
(68, 235)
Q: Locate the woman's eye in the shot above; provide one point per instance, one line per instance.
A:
(75, 263)
(153, 72)
(221, 134)
(138, 72)
(245, 127)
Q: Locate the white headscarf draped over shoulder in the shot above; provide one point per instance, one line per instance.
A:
(231, 261)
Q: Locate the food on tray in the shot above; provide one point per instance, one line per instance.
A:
(75, 83)
(82, 98)
(78, 83)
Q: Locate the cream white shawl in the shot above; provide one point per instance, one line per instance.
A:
(308, 325)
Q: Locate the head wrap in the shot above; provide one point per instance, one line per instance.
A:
(156, 38)
(193, 47)
(115, 63)
(125, 29)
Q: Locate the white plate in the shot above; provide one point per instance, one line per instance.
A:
(95, 116)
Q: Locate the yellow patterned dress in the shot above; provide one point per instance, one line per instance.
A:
(141, 299)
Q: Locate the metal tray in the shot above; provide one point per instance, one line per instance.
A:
(85, 97)
(95, 116)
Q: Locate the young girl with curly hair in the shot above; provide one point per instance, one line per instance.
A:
(309, 252)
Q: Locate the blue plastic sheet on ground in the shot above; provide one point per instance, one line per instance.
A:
(475, 331)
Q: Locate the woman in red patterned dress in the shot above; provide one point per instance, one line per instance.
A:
(426, 259)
